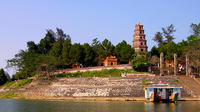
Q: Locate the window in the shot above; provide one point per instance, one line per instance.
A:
(141, 49)
(141, 43)
(140, 37)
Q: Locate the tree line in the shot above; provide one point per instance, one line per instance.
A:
(165, 44)
(56, 51)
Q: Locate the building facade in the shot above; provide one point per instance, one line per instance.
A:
(110, 60)
(139, 41)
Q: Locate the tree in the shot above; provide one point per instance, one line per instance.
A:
(65, 52)
(89, 55)
(169, 49)
(60, 34)
(123, 52)
(195, 29)
(32, 46)
(76, 53)
(3, 77)
(140, 64)
(158, 38)
(95, 47)
(168, 33)
(154, 51)
(106, 49)
(47, 42)
(56, 50)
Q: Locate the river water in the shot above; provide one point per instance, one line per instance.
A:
(9, 105)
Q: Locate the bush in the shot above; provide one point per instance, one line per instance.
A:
(140, 64)
(21, 83)
(145, 82)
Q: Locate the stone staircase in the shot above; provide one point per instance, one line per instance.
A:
(190, 84)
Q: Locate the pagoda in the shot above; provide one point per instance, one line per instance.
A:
(139, 41)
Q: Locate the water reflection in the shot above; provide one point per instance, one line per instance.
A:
(163, 107)
(92, 106)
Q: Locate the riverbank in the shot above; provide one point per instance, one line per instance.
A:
(94, 88)
(20, 97)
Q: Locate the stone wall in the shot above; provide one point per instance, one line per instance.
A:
(99, 87)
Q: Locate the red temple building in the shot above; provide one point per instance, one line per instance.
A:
(110, 60)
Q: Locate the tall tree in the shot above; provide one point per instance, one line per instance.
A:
(56, 50)
(89, 55)
(76, 53)
(124, 52)
(154, 51)
(106, 49)
(158, 38)
(95, 46)
(65, 52)
(195, 29)
(169, 49)
(168, 33)
(47, 42)
(60, 34)
(3, 77)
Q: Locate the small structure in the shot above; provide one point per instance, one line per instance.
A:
(110, 60)
(76, 66)
(169, 94)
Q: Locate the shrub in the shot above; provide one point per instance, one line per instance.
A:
(21, 83)
(140, 64)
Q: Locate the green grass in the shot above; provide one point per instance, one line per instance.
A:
(8, 95)
(23, 82)
(145, 82)
(102, 73)
(176, 80)
(7, 84)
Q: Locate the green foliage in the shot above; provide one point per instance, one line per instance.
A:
(8, 84)
(124, 52)
(196, 29)
(167, 33)
(102, 73)
(3, 77)
(95, 47)
(158, 38)
(76, 53)
(57, 49)
(89, 55)
(140, 64)
(65, 52)
(106, 49)
(169, 49)
(23, 82)
(154, 51)
(8, 95)
(46, 43)
(145, 82)
(176, 80)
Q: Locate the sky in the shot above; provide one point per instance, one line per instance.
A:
(84, 20)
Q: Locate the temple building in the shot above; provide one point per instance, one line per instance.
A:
(110, 60)
(139, 41)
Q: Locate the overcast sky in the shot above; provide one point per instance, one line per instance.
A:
(84, 20)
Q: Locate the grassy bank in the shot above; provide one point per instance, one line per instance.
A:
(102, 73)
(16, 84)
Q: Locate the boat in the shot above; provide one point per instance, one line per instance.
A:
(165, 94)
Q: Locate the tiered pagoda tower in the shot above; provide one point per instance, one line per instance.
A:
(139, 41)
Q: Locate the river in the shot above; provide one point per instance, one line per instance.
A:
(10, 105)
